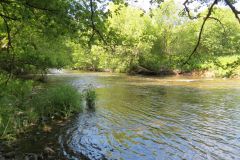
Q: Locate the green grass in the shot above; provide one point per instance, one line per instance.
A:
(90, 97)
(21, 108)
(14, 115)
(58, 101)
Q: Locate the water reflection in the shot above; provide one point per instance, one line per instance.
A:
(148, 118)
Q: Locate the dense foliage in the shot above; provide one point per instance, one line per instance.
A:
(161, 40)
(111, 35)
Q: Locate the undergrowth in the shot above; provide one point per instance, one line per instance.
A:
(21, 106)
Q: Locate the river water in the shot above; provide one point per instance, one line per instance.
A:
(148, 118)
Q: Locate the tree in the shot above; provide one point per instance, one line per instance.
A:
(28, 27)
(211, 4)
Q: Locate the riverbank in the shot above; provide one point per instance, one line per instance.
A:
(25, 105)
(221, 67)
(167, 73)
(205, 72)
(31, 114)
(42, 140)
(122, 101)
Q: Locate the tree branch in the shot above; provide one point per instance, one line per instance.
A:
(27, 4)
(234, 10)
(9, 44)
(216, 19)
(8, 17)
(5, 1)
(201, 31)
(94, 28)
(187, 10)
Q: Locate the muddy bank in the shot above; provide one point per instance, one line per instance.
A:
(164, 72)
(42, 140)
(195, 73)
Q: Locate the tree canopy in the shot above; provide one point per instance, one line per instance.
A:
(37, 35)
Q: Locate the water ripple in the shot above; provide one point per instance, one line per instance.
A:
(135, 120)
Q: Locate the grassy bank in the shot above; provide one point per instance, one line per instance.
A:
(23, 104)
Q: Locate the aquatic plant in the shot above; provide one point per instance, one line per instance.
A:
(90, 97)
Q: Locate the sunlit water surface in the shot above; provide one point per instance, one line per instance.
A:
(154, 118)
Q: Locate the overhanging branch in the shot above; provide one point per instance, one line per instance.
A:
(234, 10)
(29, 5)
(94, 28)
(188, 10)
(201, 31)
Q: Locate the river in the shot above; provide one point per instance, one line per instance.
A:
(150, 118)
